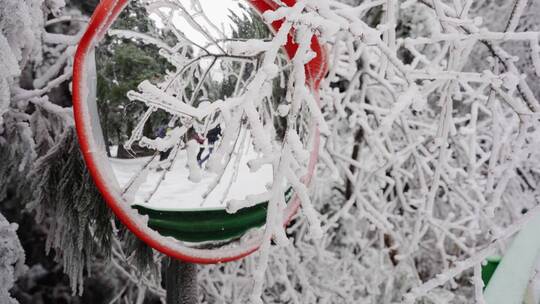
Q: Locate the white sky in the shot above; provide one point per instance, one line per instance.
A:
(217, 12)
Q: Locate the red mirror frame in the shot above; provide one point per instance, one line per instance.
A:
(103, 17)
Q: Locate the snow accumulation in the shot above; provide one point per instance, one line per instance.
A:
(11, 259)
(178, 192)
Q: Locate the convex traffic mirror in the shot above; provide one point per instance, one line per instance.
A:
(160, 93)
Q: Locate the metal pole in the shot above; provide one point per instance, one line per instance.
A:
(181, 282)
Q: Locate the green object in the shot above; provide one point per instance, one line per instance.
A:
(509, 283)
(489, 269)
(199, 225)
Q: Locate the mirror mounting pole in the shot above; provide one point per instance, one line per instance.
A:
(181, 282)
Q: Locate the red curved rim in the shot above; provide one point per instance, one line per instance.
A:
(104, 15)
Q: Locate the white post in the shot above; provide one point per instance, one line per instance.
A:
(510, 280)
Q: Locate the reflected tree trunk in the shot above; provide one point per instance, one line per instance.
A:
(105, 126)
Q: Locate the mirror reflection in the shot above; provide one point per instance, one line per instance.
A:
(169, 76)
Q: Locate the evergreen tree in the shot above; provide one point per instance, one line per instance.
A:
(122, 64)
